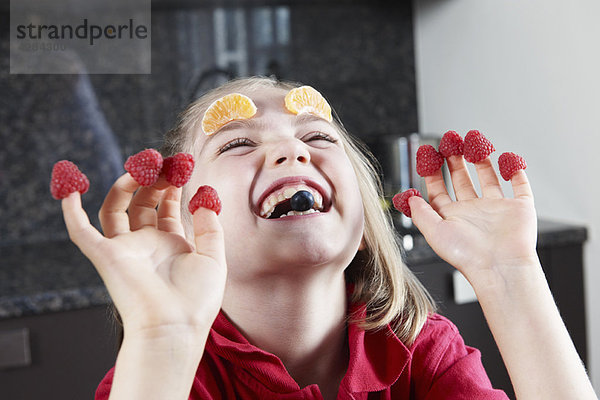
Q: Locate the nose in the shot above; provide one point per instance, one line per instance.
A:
(287, 151)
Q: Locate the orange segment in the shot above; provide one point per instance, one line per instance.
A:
(306, 99)
(226, 109)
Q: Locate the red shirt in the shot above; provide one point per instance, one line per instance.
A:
(437, 366)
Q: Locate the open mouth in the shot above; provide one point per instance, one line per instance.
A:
(278, 204)
(284, 209)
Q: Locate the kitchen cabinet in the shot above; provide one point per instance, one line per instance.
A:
(69, 351)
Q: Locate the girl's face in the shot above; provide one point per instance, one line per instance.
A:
(242, 161)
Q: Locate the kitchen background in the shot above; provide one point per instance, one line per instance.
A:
(524, 74)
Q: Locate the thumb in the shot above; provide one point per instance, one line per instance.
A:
(208, 235)
(424, 216)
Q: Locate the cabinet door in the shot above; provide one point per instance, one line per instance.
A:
(69, 354)
(563, 266)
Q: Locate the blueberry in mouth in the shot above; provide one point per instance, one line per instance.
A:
(302, 200)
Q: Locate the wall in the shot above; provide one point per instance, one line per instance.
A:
(527, 75)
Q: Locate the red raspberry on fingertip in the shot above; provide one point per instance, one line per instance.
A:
(207, 197)
(66, 179)
(400, 201)
(178, 168)
(509, 163)
(145, 166)
(451, 144)
(429, 160)
(477, 147)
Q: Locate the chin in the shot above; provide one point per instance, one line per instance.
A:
(310, 251)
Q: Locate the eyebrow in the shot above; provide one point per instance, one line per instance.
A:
(236, 124)
(253, 124)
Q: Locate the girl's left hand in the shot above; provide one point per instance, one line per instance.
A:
(485, 237)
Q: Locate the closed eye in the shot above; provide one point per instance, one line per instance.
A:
(323, 136)
(242, 141)
(235, 143)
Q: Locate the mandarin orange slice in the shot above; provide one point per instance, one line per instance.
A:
(306, 99)
(226, 109)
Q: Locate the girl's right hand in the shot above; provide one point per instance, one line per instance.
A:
(161, 285)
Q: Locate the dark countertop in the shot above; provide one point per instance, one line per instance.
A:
(55, 276)
(47, 277)
(550, 234)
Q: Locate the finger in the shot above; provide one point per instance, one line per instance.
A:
(113, 213)
(169, 211)
(81, 232)
(208, 235)
(425, 218)
(461, 180)
(521, 186)
(142, 208)
(436, 190)
(488, 180)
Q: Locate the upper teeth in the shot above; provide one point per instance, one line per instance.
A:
(286, 193)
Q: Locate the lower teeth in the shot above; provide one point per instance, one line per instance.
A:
(289, 214)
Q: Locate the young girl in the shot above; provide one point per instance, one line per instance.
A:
(315, 306)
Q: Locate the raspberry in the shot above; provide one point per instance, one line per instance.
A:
(509, 164)
(451, 144)
(477, 147)
(206, 197)
(66, 179)
(429, 161)
(145, 166)
(400, 201)
(178, 168)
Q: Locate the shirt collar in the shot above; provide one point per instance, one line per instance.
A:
(226, 341)
(376, 358)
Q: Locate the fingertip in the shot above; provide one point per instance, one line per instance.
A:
(72, 209)
(519, 176)
(208, 234)
(484, 164)
(423, 215)
(72, 200)
(81, 232)
(416, 201)
(416, 204)
(520, 185)
(456, 161)
(172, 193)
(205, 219)
(162, 183)
(436, 176)
(127, 183)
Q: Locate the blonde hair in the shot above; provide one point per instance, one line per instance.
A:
(391, 292)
